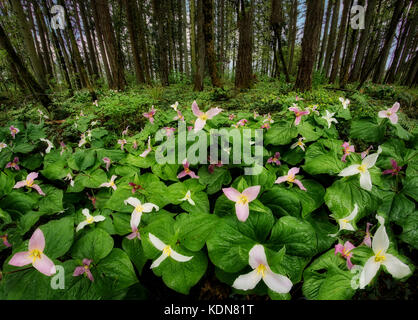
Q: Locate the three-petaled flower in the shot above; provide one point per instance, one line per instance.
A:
(187, 171)
(345, 223)
(395, 168)
(84, 269)
(329, 118)
(261, 271)
(202, 117)
(35, 255)
(291, 178)
(150, 115)
(344, 102)
(49, 143)
(275, 159)
(14, 131)
(242, 200)
(299, 144)
(148, 150)
(345, 251)
(348, 149)
(391, 113)
(380, 245)
(107, 162)
(167, 251)
(188, 198)
(362, 169)
(13, 164)
(89, 219)
(110, 184)
(122, 143)
(298, 113)
(30, 183)
(139, 208)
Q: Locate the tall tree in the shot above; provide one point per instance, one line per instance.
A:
(341, 34)
(210, 42)
(277, 22)
(159, 18)
(325, 34)
(24, 74)
(29, 44)
(293, 28)
(332, 37)
(310, 43)
(244, 72)
(200, 44)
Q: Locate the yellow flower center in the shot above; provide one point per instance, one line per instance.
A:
(346, 253)
(167, 250)
(35, 254)
(111, 183)
(389, 113)
(203, 117)
(347, 150)
(300, 143)
(261, 269)
(379, 257)
(291, 178)
(139, 208)
(362, 168)
(242, 199)
(90, 220)
(29, 183)
(187, 170)
(86, 267)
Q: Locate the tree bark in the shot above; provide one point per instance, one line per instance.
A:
(310, 44)
(200, 62)
(332, 37)
(325, 35)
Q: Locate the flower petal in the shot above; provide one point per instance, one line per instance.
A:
(394, 118)
(45, 265)
(277, 282)
(369, 271)
(232, 194)
(350, 171)
(156, 242)
(149, 206)
(157, 262)
(213, 112)
(380, 240)
(251, 193)
(37, 241)
(242, 211)
(81, 225)
(199, 125)
(257, 256)
(196, 110)
(395, 107)
(281, 180)
(247, 281)
(32, 176)
(78, 271)
(366, 181)
(179, 257)
(20, 259)
(99, 218)
(132, 201)
(299, 184)
(20, 184)
(396, 267)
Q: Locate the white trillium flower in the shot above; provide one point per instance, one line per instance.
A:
(139, 209)
(167, 252)
(89, 219)
(380, 245)
(50, 145)
(258, 261)
(188, 198)
(329, 118)
(69, 178)
(345, 223)
(345, 102)
(110, 184)
(175, 106)
(367, 163)
(2, 145)
(299, 144)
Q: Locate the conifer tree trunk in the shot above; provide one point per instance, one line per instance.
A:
(332, 37)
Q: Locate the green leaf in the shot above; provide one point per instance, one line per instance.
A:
(366, 130)
(323, 157)
(82, 159)
(59, 236)
(215, 180)
(281, 134)
(24, 148)
(134, 250)
(297, 235)
(6, 184)
(95, 245)
(52, 202)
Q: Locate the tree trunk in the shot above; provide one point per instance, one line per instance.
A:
(143, 47)
(24, 74)
(277, 22)
(27, 38)
(210, 43)
(390, 34)
(325, 35)
(341, 33)
(310, 44)
(332, 37)
(200, 62)
(292, 33)
(244, 72)
(184, 32)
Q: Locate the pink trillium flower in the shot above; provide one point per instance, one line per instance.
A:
(148, 150)
(242, 122)
(2, 146)
(364, 154)
(202, 117)
(167, 251)
(299, 144)
(391, 113)
(135, 145)
(345, 252)
(14, 164)
(179, 116)
(231, 116)
(212, 166)
(266, 126)
(368, 238)
(150, 115)
(268, 119)
(290, 177)
(110, 184)
(89, 219)
(261, 271)
(395, 168)
(314, 109)
(242, 200)
(63, 146)
(122, 143)
(275, 159)
(189, 128)
(5, 241)
(299, 98)
(107, 161)
(35, 255)
(14, 131)
(125, 132)
(135, 187)
(298, 113)
(92, 199)
(347, 151)
(84, 269)
(169, 131)
(29, 182)
(187, 171)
